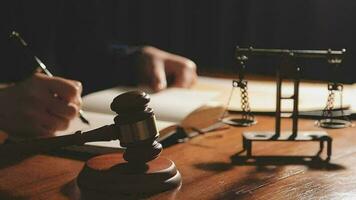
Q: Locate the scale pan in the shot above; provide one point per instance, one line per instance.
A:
(333, 123)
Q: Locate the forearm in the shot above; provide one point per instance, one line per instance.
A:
(125, 66)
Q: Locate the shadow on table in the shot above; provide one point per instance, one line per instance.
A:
(312, 162)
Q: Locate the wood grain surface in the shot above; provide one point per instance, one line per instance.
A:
(209, 167)
(210, 170)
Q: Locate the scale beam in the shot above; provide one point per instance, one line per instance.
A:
(322, 54)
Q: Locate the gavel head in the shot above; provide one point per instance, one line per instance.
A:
(136, 126)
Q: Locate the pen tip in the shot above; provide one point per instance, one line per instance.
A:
(81, 116)
(84, 120)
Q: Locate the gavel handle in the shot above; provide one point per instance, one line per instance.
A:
(105, 133)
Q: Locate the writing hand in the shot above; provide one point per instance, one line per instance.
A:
(39, 105)
(158, 66)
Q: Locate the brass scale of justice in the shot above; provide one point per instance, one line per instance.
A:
(288, 70)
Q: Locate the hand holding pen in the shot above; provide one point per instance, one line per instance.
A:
(40, 104)
(31, 108)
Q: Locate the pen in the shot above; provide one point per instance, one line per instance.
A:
(16, 35)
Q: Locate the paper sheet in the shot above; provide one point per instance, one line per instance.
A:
(172, 104)
(262, 95)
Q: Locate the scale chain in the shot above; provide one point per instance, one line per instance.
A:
(245, 105)
(332, 87)
(329, 105)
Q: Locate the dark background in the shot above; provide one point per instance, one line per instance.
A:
(206, 31)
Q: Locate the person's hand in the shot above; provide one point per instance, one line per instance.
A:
(159, 69)
(39, 105)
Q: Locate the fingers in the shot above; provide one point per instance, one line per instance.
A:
(159, 81)
(50, 117)
(47, 123)
(153, 72)
(183, 71)
(160, 65)
(40, 123)
(62, 109)
(68, 90)
(61, 99)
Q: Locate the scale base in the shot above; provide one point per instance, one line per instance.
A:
(304, 136)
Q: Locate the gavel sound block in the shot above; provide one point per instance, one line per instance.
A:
(139, 171)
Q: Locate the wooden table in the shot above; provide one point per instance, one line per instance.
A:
(210, 168)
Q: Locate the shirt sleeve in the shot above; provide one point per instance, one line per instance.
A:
(86, 49)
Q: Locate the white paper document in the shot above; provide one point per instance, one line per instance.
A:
(172, 104)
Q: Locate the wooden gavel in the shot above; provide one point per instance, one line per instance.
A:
(134, 126)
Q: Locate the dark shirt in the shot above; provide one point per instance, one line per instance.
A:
(73, 38)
